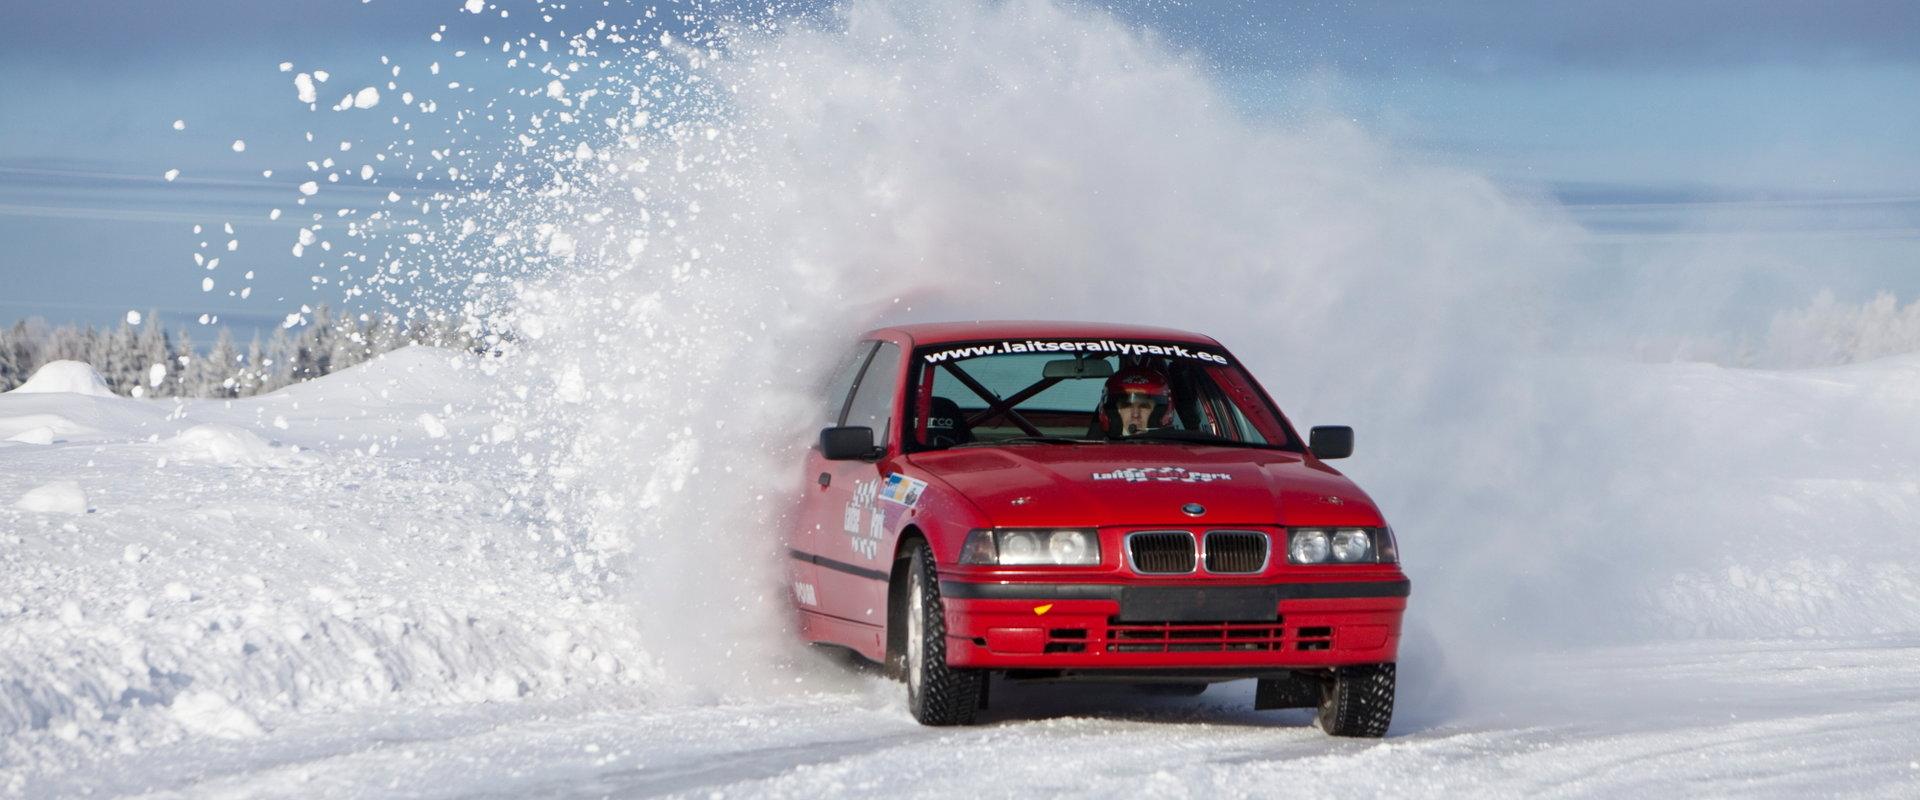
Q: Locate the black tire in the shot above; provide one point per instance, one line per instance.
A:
(1358, 701)
(937, 694)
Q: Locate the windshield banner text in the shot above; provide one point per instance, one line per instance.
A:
(1060, 346)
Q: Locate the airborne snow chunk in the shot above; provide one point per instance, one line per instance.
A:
(433, 426)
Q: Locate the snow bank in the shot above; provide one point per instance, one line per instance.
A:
(413, 374)
(208, 713)
(379, 567)
(58, 497)
(13, 426)
(38, 435)
(74, 377)
(223, 444)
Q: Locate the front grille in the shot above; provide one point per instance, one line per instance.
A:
(1315, 638)
(1236, 552)
(1195, 637)
(1066, 640)
(1161, 552)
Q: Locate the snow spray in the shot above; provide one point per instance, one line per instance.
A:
(690, 217)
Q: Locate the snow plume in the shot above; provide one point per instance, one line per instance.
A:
(683, 224)
(681, 270)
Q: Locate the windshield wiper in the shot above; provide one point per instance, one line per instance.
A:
(1023, 440)
(1166, 435)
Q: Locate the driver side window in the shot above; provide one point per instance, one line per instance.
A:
(834, 394)
(873, 398)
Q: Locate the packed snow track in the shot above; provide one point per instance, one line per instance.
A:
(1746, 719)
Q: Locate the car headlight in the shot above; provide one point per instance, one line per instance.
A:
(1351, 546)
(1342, 546)
(1308, 546)
(1009, 547)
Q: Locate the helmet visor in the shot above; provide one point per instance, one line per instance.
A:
(1140, 400)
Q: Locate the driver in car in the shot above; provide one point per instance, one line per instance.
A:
(1134, 401)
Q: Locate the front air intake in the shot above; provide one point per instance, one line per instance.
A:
(1236, 552)
(1161, 552)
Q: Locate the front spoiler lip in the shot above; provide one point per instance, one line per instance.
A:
(1333, 590)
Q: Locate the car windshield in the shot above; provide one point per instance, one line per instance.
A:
(1067, 392)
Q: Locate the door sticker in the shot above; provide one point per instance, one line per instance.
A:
(903, 490)
(864, 524)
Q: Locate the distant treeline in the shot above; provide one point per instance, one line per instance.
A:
(126, 355)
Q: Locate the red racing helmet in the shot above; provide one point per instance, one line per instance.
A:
(1132, 385)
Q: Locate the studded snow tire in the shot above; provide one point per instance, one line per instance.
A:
(1358, 701)
(937, 694)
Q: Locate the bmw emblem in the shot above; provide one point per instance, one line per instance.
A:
(1194, 509)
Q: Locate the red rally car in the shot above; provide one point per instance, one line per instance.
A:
(1075, 501)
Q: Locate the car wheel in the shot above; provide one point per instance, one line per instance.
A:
(1358, 701)
(937, 694)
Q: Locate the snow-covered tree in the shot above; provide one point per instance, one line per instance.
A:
(252, 376)
(313, 349)
(126, 354)
(118, 358)
(1830, 332)
(182, 357)
(153, 347)
(278, 366)
(16, 357)
(217, 374)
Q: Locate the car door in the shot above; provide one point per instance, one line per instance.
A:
(819, 515)
(855, 547)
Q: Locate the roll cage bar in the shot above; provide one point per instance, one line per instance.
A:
(995, 406)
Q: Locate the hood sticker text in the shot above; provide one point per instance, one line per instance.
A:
(1161, 475)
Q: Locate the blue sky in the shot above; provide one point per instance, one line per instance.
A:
(1628, 110)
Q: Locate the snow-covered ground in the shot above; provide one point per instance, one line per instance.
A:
(1720, 719)
(343, 589)
(199, 570)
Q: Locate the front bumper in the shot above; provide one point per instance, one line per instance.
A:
(1086, 626)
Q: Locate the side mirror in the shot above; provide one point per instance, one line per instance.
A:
(847, 444)
(1330, 441)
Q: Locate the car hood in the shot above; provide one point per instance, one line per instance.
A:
(1147, 484)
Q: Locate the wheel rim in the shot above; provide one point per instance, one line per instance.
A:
(1329, 690)
(916, 633)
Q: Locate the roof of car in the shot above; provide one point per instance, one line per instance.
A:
(944, 332)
